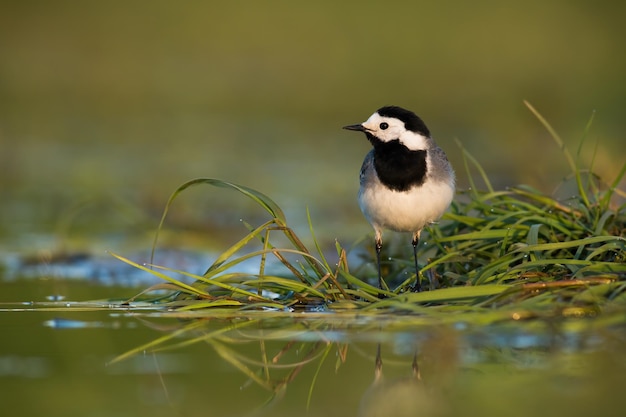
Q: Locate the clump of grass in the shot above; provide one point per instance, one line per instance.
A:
(494, 248)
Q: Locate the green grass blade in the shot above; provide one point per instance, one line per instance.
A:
(555, 136)
(483, 175)
(157, 342)
(232, 357)
(268, 281)
(606, 199)
(608, 249)
(309, 396)
(274, 251)
(570, 244)
(451, 294)
(197, 305)
(216, 282)
(317, 245)
(482, 235)
(563, 148)
(261, 199)
(224, 256)
(188, 288)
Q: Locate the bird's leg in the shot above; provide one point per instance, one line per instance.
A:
(378, 370)
(379, 246)
(415, 368)
(416, 241)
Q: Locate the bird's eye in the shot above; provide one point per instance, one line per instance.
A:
(383, 126)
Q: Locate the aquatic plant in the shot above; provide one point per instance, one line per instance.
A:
(495, 248)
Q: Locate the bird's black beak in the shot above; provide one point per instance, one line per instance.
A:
(359, 128)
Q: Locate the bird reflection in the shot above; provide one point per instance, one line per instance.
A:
(397, 397)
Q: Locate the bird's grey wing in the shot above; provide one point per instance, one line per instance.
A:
(367, 169)
(441, 169)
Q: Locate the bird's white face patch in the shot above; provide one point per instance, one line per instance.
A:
(389, 128)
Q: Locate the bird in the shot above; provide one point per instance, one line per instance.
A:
(406, 180)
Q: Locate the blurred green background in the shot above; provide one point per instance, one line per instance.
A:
(106, 107)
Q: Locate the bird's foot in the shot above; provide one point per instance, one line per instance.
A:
(417, 287)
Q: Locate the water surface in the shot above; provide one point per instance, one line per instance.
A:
(68, 358)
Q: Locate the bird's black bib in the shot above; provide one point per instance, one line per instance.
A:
(398, 167)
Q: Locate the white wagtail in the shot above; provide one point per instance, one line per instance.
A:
(406, 180)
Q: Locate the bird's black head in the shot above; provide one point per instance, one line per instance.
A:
(392, 124)
(411, 121)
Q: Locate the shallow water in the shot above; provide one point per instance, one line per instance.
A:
(64, 355)
(58, 357)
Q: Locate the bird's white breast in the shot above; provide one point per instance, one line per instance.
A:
(407, 211)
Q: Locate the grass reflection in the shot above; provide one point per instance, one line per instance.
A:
(409, 366)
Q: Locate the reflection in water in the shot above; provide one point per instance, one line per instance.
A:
(328, 365)
(450, 362)
(272, 352)
(409, 395)
(405, 396)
